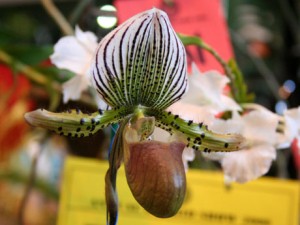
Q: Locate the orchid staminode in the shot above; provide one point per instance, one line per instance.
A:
(139, 70)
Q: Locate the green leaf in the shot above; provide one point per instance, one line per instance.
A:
(29, 54)
(241, 95)
(54, 73)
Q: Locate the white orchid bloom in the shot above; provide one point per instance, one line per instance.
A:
(291, 124)
(259, 129)
(204, 99)
(75, 53)
(207, 91)
(288, 124)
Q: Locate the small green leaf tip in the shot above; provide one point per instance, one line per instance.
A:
(74, 123)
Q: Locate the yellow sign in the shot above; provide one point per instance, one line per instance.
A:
(208, 202)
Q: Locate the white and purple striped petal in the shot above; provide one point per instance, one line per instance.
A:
(142, 62)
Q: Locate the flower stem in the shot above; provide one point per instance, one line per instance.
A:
(77, 12)
(262, 68)
(29, 184)
(194, 40)
(58, 17)
(25, 69)
(237, 83)
(115, 160)
(36, 76)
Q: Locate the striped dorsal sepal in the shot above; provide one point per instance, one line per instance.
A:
(142, 62)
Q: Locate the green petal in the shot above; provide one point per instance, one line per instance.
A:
(198, 136)
(74, 123)
(142, 62)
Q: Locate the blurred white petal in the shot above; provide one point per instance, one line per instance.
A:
(233, 125)
(286, 127)
(292, 123)
(259, 129)
(289, 128)
(248, 164)
(100, 102)
(216, 156)
(188, 155)
(73, 88)
(75, 53)
(87, 39)
(260, 126)
(192, 112)
(207, 90)
(160, 135)
(229, 103)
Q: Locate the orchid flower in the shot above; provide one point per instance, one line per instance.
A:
(75, 53)
(259, 128)
(206, 90)
(291, 124)
(139, 70)
(288, 124)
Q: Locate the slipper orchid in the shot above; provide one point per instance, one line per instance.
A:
(139, 70)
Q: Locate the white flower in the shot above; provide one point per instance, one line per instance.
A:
(291, 126)
(259, 129)
(75, 53)
(206, 90)
(203, 101)
(288, 127)
(192, 112)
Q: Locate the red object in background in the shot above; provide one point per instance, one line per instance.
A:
(203, 18)
(14, 102)
(296, 153)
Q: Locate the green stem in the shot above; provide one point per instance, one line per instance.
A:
(26, 70)
(194, 40)
(38, 77)
(115, 160)
(29, 185)
(77, 12)
(58, 17)
(260, 65)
